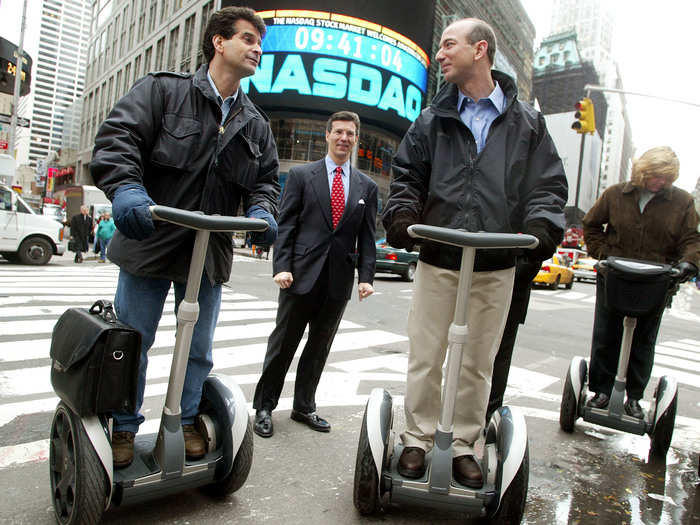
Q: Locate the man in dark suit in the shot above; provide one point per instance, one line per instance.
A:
(326, 230)
(80, 228)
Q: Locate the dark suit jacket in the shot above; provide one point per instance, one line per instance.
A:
(306, 238)
(80, 228)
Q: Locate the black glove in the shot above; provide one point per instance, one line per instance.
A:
(397, 235)
(540, 228)
(687, 271)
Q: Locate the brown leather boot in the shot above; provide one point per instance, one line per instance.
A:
(412, 462)
(195, 447)
(122, 449)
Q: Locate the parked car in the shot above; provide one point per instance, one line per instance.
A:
(398, 262)
(25, 236)
(555, 271)
(54, 211)
(584, 269)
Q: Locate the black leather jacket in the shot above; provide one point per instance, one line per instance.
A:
(438, 176)
(165, 134)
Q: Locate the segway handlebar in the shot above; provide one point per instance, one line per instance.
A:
(197, 220)
(478, 240)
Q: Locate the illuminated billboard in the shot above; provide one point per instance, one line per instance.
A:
(320, 58)
(8, 69)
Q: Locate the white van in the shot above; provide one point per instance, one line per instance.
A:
(25, 236)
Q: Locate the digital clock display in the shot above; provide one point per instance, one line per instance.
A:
(323, 61)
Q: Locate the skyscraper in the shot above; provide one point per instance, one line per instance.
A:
(60, 72)
(594, 23)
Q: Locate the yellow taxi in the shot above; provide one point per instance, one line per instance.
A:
(555, 272)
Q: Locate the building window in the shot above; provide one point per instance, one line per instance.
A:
(147, 66)
(152, 17)
(187, 44)
(127, 78)
(554, 58)
(142, 25)
(163, 11)
(207, 10)
(137, 68)
(172, 49)
(160, 48)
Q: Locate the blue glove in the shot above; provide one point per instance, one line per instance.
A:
(267, 237)
(130, 211)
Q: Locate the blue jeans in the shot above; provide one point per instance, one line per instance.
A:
(139, 303)
(102, 245)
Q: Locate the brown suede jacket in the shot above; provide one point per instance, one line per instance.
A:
(666, 232)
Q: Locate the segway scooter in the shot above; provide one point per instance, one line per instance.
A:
(505, 462)
(83, 482)
(633, 289)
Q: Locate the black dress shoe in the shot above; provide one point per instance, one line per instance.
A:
(599, 401)
(633, 409)
(263, 423)
(467, 472)
(412, 462)
(312, 421)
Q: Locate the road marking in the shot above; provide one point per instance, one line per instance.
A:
(36, 380)
(38, 451)
(57, 310)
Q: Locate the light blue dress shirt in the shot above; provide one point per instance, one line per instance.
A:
(478, 116)
(227, 104)
(330, 171)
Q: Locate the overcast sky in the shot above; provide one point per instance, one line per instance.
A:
(655, 44)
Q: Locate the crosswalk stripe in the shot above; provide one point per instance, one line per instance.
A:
(167, 321)
(57, 310)
(684, 346)
(683, 354)
(36, 380)
(12, 351)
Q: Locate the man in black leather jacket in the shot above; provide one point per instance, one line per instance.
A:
(194, 142)
(481, 160)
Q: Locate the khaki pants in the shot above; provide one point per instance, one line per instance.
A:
(430, 316)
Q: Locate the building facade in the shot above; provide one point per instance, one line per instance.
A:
(60, 73)
(133, 37)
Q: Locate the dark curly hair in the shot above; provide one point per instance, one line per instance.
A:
(223, 23)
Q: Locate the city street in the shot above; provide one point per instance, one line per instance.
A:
(594, 475)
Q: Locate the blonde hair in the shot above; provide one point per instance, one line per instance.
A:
(660, 161)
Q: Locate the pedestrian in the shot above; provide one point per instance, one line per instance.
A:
(478, 159)
(80, 228)
(645, 218)
(326, 230)
(103, 235)
(194, 142)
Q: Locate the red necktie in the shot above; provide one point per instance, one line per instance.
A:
(337, 197)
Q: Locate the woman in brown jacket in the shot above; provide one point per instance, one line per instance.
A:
(650, 219)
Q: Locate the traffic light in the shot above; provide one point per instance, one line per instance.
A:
(585, 113)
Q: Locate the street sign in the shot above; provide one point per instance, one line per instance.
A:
(21, 121)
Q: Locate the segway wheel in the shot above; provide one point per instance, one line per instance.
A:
(569, 408)
(662, 433)
(365, 493)
(239, 471)
(512, 507)
(78, 481)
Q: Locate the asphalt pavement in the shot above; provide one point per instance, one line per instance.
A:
(593, 475)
